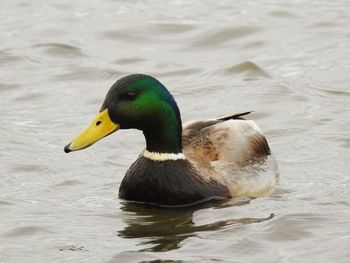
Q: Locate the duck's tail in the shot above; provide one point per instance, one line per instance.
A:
(237, 116)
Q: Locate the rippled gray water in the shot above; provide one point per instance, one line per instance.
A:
(288, 62)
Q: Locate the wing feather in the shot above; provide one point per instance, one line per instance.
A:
(229, 139)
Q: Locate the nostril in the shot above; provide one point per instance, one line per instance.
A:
(98, 123)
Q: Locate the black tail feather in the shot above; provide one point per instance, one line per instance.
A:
(235, 116)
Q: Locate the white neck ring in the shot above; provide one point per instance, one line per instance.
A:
(160, 157)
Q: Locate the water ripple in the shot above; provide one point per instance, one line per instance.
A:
(282, 14)
(177, 73)
(30, 97)
(247, 68)
(67, 183)
(292, 227)
(128, 61)
(25, 231)
(6, 203)
(344, 142)
(126, 35)
(215, 38)
(86, 73)
(29, 168)
(61, 50)
(173, 28)
(8, 87)
(8, 57)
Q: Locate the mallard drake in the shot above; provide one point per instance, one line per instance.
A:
(203, 160)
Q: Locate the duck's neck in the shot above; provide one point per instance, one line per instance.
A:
(166, 137)
(164, 140)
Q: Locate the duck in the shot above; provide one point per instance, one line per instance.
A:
(182, 164)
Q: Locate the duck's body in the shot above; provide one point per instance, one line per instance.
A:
(222, 158)
(204, 160)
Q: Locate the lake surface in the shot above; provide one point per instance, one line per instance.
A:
(288, 62)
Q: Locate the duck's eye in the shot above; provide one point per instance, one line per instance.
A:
(130, 95)
(98, 123)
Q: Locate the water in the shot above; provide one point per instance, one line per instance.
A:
(288, 62)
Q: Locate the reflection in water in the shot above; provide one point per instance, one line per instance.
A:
(165, 229)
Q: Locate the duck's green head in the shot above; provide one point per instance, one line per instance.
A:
(140, 102)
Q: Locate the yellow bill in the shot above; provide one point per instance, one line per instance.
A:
(100, 127)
